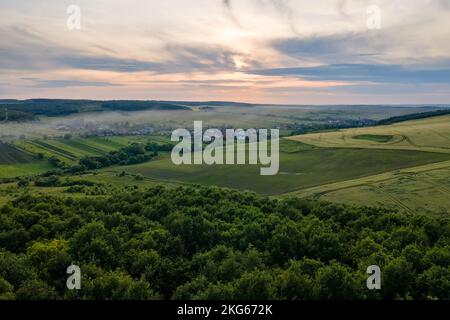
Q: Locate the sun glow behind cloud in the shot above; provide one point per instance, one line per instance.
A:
(268, 51)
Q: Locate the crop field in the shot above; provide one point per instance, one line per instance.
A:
(431, 134)
(24, 169)
(418, 189)
(424, 189)
(69, 149)
(425, 192)
(299, 168)
(11, 155)
(72, 149)
(19, 158)
(373, 137)
(15, 162)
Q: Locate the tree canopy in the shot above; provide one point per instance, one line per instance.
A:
(212, 243)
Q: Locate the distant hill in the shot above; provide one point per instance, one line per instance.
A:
(24, 110)
(212, 103)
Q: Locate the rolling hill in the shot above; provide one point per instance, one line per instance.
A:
(430, 134)
(424, 189)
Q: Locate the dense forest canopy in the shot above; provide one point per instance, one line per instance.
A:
(212, 243)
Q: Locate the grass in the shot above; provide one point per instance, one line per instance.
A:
(374, 137)
(70, 150)
(114, 178)
(55, 149)
(300, 168)
(11, 155)
(425, 192)
(24, 169)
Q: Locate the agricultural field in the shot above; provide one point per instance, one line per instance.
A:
(11, 155)
(430, 134)
(300, 168)
(24, 169)
(20, 158)
(422, 189)
(15, 162)
(72, 149)
(404, 165)
(423, 192)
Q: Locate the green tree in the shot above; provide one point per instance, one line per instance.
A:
(50, 260)
(255, 285)
(435, 283)
(336, 281)
(398, 277)
(36, 289)
(117, 285)
(6, 290)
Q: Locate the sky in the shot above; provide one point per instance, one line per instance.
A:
(259, 51)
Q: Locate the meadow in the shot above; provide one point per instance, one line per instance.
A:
(24, 169)
(302, 168)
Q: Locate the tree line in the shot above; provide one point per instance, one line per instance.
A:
(25, 110)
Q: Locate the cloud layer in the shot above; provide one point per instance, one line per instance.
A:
(269, 51)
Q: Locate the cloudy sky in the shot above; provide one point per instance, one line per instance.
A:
(265, 51)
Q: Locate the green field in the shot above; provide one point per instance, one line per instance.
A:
(423, 192)
(18, 158)
(374, 137)
(404, 165)
(422, 189)
(72, 149)
(15, 162)
(304, 168)
(24, 169)
(11, 155)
